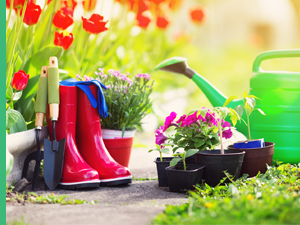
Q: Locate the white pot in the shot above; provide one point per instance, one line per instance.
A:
(116, 134)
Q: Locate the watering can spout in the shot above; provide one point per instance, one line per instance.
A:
(179, 65)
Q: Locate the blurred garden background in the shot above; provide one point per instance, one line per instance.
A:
(220, 39)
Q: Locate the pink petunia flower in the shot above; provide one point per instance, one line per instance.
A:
(181, 119)
(226, 133)
(169, 120)
(160, 137)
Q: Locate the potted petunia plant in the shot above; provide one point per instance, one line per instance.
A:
(128, 102)
(194, 131)
(218, 161)
(258, 153)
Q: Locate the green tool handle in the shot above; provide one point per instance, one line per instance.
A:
(41, 98)
(272, 55)
(53, 85)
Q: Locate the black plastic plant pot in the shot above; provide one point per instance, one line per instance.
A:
(180, 180)
(216, 163)
(161, 172)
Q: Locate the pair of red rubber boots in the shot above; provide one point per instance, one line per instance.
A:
(87, 163)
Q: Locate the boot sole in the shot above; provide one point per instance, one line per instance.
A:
(114, 182)
(78, 186)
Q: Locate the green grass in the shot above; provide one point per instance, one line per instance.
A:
(271, 198)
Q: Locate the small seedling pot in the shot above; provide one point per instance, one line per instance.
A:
(180, 180)
(258, 143)
(161, 172)
(216, 163)
(256, 159)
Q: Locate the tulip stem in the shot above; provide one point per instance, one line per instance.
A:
(12, 99)
(84, 52)
(19, 28)
(10, 9)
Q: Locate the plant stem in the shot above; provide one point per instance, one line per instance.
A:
(18, 29)
(160, 156)
(9, 14)
(184, 165)
(221, 136)
(84, 52)
(12, 99)
(248, 125)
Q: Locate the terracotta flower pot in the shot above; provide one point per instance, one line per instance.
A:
(119, 148)
(215, 163)
(255, 159)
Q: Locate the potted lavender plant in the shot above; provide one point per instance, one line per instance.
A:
(128, 102)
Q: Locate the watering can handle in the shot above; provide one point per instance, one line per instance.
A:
(272, 55)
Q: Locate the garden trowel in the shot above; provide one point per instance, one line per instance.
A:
(40, 110)
(53, 150)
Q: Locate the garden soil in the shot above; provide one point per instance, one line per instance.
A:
(136, 203)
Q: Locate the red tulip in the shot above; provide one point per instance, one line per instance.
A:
(197, 15)
(63, 18)
(63, 39)
(158, 1)
(20, 80)
(17, 3)
(70, 3)
(89, 5)
(162, 22)
(143, 20)
(32, 14)
(94, 24)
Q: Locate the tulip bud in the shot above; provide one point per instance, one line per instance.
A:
(20, 80)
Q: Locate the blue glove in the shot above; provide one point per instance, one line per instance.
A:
(84, 86)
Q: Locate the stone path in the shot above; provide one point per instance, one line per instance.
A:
(137, 203)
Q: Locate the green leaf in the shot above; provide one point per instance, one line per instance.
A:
(230, 99)
(200, 142)
(239, 109)
(9, 93)
(165, 150)
(245, 94)
(202, 112)
(19, 126)
(223, 111)
(232, 190)
(12, 117)
(41, 58)
(191, 152)
(174, 161)
(43, 27)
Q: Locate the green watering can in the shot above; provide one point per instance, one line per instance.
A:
(280, 95)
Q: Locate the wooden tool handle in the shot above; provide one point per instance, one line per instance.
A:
(41, 98)
(53, 88)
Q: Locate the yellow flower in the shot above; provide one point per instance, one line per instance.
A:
(208, 204)
(297, 188)
(44, 201)
(52, 194)
(250, 197)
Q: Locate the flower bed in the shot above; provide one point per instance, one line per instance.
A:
(272, 198)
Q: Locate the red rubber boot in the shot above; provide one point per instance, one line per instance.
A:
(91, 146)
(76, 172)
